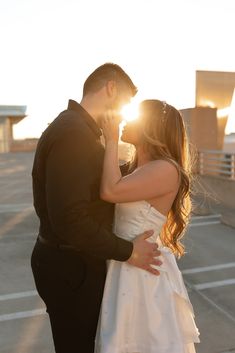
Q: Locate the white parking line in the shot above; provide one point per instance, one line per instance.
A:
(37, 312)
(208, 268)
(30, 293)
(22, 315)
(211, 216)
(205, 220)
(29, 332)
(207, 285)
(211, 302)
(204, 223)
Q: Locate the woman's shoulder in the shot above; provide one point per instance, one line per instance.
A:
(162, 169)
(161, 165)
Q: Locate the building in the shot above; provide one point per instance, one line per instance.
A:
(202, 127)
(229, 143)
(213, 107)
(9, 115)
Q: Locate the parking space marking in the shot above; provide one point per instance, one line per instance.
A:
(208, 268)
(205, 220)
(211, 216)
(30, 293)
(204, 223)
(30, 332)
(210, 301)
(22, 314)
(207, 285)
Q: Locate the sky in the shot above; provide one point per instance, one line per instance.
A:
(49, 47)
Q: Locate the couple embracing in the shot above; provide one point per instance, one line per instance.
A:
(104, 261)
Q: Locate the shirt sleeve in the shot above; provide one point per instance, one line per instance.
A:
(124, 168)
(68, 178)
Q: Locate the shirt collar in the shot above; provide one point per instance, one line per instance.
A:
(73, 105)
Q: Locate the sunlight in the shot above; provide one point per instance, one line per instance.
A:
(130, 111)
(207, 103)
(222, 113)
(230, 127)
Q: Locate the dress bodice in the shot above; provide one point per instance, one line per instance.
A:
(133, 218)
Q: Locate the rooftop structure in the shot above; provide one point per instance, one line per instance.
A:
(9, 115)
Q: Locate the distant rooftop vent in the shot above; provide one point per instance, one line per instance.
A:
(13, 110)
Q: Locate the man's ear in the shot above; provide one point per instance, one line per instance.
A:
(111, 89)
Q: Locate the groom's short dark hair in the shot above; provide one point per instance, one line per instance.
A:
(104, 73)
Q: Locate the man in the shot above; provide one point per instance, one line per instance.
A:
(75, 235)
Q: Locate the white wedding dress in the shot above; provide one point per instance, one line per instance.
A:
(141, 312)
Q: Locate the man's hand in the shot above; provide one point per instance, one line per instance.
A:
(144, 253)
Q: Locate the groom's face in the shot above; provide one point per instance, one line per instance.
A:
(122, 96)
(118, 96)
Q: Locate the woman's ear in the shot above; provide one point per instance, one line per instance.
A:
(111, 89)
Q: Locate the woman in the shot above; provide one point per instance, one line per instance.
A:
(142, 312)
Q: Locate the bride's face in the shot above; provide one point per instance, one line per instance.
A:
(132, 132)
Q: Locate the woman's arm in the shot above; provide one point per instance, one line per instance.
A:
(152, 180)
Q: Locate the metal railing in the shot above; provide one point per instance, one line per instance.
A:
(216, 163)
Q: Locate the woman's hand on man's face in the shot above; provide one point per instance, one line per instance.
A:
(110, 126)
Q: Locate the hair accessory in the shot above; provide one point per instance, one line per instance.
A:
(164, 111)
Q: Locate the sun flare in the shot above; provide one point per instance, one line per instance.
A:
(230, 127)
(130, 111)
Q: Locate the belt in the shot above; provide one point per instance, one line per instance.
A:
(53, 245)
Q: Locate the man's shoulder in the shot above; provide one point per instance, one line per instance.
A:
(69, 119)
(67, 122)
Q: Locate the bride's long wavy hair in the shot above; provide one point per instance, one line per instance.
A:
(164, 137)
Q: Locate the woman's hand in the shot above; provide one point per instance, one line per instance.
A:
(111, 171)
(110, 126)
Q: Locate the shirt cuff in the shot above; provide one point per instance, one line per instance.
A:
(124, 249)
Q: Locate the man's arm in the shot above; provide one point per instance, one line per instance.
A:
(68, 188)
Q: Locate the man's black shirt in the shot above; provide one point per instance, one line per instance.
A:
(66, 182)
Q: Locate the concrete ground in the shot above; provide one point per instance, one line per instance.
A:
(208, 269)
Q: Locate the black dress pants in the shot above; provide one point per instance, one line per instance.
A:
(71, 285)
